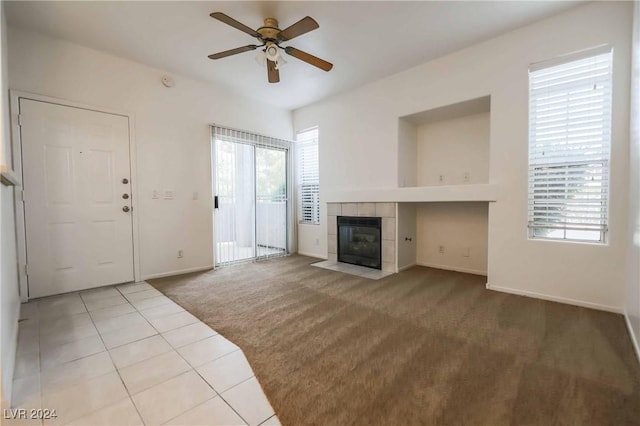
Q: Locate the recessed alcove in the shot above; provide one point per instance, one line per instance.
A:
(443, 154)
(448, 145)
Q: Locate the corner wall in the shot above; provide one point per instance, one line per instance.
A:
(9, 292)
(365, 120)
(632, 307)
(171, 130)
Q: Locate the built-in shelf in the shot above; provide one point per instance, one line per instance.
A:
(447, 145)
(416, 194)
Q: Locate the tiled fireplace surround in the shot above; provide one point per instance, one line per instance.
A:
(387, 211)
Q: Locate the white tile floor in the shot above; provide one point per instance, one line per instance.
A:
(128, 355)
(360, 271)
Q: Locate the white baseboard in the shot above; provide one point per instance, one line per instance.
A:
(404, 268)
(636, 346)
(179, 272)
(316, 255)
(551, 298)
(452, 268)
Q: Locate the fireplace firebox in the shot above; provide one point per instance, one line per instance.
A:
(359, 241)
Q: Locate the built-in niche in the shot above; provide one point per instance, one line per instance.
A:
(453, 236)
(444, 235)
(448, 145)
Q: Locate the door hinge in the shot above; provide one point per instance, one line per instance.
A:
(20, 195)
(26, 269)
(19, 119)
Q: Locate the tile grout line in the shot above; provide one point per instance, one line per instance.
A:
(219, 394)
(216, 358)
(113, 363)
(177, 353)
(202, 403)
(197, 372)
(237, 384)
(269, 418)
(194, 369)
(158, 332)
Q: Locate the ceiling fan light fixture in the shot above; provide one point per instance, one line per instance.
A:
(261, 58)
(280, 62)
(272, 52)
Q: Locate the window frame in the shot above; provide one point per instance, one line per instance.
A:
(315, 205)
(564, 166)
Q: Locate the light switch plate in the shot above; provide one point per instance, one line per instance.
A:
(168, 194)
(155, 194)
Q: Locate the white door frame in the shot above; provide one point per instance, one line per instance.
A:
(16, 148)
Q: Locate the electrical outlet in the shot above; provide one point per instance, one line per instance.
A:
(441, 178)
(317, 241)
(180, 254)
(466, 252)
(441, 249)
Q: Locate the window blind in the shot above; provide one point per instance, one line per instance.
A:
(569, 149)
(308, 176)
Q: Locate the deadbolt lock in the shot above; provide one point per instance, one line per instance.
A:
(125, 196)
(125, 209)
(125, 180)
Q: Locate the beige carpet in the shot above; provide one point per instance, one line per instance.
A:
(422, 347)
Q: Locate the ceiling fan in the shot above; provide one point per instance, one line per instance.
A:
(270, 37)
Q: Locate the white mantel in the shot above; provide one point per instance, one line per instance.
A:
(417, 194)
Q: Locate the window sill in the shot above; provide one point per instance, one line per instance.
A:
(557, 240)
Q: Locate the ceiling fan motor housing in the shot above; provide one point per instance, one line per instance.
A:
(269, 31)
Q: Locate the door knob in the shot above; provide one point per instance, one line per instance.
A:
(125, 196)
(125, 180)
(125, 209)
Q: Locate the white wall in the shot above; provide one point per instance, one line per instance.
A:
(457, 227)
(9, 293)
(310, 240)
(366, 121)
(451, 148)
(632, 307)
(171, 134)
(407, 153)
(406, 223)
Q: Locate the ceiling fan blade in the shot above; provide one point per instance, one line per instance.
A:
(303, 26)
(272, 72)
(235, 24)
(233, 51)
(309, 58)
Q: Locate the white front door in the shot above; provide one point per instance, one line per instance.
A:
(77, 187)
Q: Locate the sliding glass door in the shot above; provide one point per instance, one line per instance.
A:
(271, 202)
(234, 217)
(251, 202)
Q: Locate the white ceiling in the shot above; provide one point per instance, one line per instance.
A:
(364, 40)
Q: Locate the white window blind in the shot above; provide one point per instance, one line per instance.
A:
(569, 149)
(308, 176)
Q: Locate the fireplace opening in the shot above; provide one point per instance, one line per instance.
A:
(359, 241)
